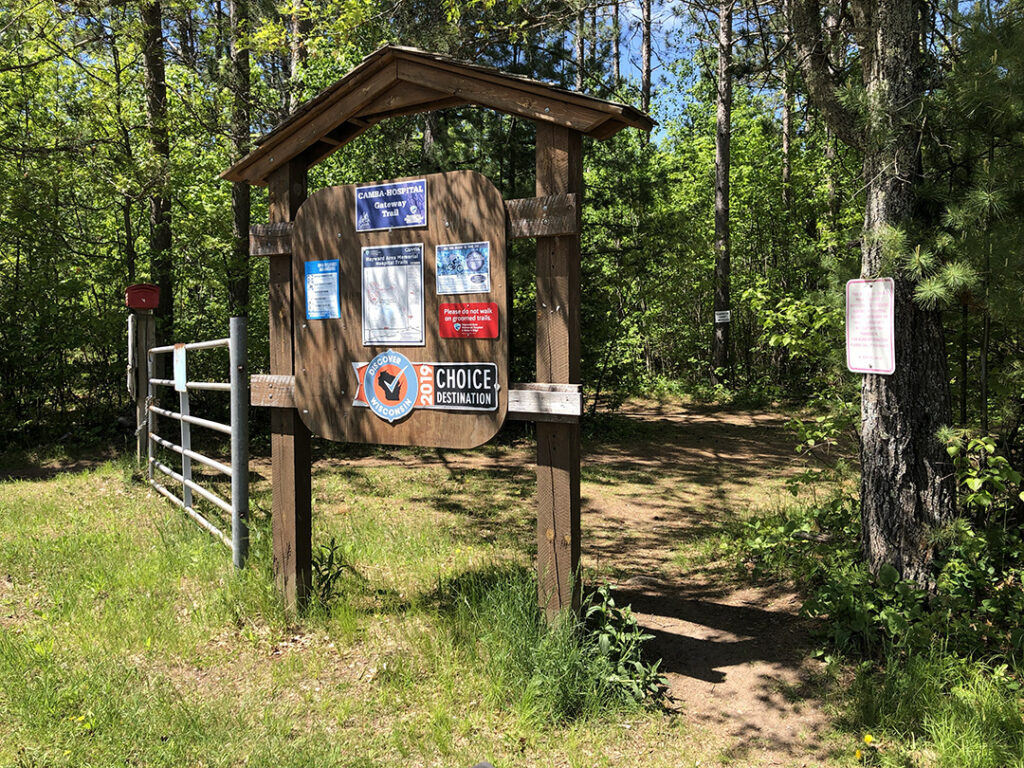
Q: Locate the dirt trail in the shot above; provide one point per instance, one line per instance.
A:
(735, 656)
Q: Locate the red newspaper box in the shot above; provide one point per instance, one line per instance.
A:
(142, 296)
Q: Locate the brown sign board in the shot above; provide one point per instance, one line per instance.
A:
(389, 348)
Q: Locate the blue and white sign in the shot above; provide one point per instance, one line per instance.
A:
(323, 295)
(390, 385)
(463, 268)
(391, 206)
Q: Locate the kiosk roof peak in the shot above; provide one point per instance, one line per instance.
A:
(396, 80)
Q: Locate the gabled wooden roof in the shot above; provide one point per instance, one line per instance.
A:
(394, 80)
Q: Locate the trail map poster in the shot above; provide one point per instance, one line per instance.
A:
(393, 295)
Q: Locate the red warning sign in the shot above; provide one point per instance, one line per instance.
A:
(477, 320)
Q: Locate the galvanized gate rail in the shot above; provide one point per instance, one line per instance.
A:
(238, 429)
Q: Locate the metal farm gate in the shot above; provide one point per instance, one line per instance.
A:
(238, 429)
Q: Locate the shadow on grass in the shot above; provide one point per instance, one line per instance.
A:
(48, 463)
(473, 589)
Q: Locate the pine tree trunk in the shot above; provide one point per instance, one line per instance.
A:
(832, 192)
(723, 137)
(787, 132)
(986, 334)
(238, 274)
(964, 317)
(580, 51)
(907, 485)
(159, 201)
(645, 55)
(297, 55)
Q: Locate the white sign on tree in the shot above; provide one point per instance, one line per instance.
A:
(870, 334)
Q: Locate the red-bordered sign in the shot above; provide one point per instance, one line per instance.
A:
(472, 320)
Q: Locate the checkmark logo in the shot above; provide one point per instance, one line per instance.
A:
(388, 385)
(390, 382)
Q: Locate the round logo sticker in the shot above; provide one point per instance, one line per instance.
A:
(475, 261)
(390, 385)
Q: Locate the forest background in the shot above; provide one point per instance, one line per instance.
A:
(116, 119)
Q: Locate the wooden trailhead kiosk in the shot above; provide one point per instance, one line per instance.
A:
(389, 301)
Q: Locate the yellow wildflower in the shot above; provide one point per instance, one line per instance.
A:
(868, 738)
(858, 755)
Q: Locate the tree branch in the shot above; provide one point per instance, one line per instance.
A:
(812, 59)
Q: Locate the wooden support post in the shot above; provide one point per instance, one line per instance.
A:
(559, 172)
(144, 338)
(291, 461)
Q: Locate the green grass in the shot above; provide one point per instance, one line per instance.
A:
(936, 709)
(126, 637)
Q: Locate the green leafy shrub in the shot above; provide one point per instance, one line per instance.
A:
(977, 606)
(620, 639)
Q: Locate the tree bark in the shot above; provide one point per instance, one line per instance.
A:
(161, 264)
(723, 138)
(616, 34)
(787, 128)
(241, 208)
(907, 483)
(297, 54)
(645, 55)
(964, 317)
(580, 51)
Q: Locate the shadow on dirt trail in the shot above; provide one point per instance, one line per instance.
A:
(736, 656)
(658, 482)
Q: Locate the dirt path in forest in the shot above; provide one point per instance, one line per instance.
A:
(735, 655)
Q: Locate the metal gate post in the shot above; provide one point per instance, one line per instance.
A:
(186, 444)
(150, 369)
(239, 441)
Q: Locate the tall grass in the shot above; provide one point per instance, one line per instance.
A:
(127, 638)
(968, 716)
(547, 672)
